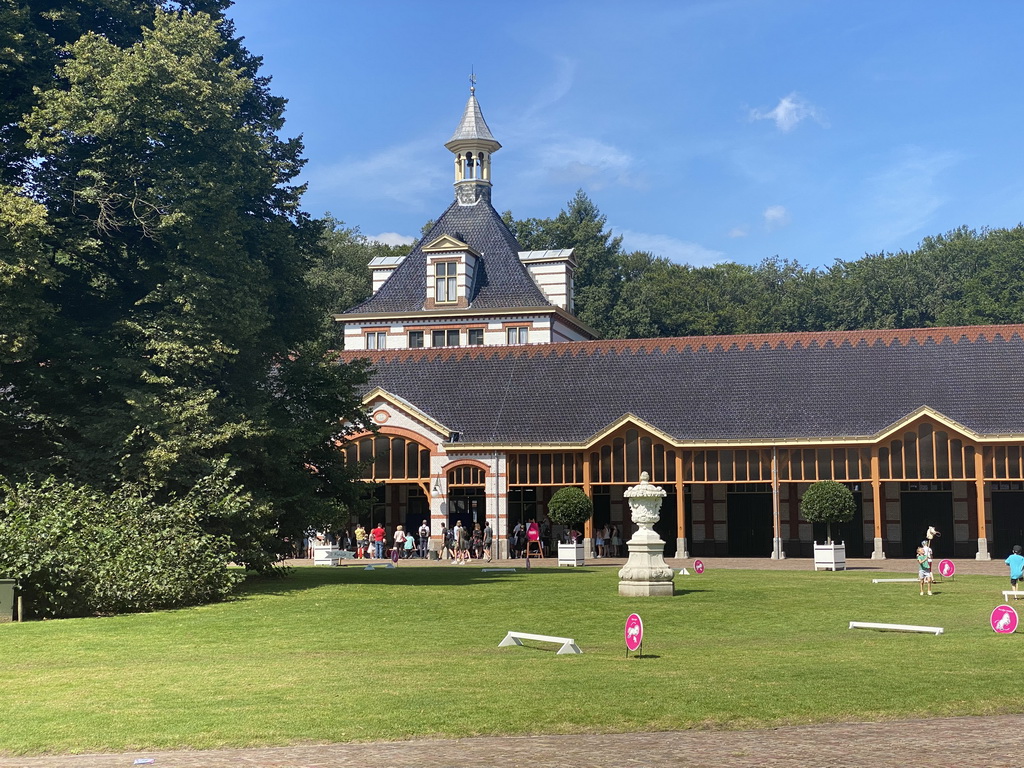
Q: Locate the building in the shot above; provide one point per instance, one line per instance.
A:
(477, 417)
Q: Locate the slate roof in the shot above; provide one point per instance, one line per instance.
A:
(472, 126)
(501, 282)
(803, 386)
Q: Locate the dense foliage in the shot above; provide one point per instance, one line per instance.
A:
(77, 551)
(159, 313)
(570, 507)
(827, 501)
(963, 277)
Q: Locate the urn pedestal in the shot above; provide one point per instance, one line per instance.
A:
(645, 572)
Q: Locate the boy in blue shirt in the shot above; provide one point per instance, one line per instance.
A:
(1016, 563)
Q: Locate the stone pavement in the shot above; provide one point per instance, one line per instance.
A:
(952, 742)
(958, 742)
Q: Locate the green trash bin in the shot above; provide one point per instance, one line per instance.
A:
(6, 600)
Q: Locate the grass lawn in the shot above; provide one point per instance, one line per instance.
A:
(342, 654)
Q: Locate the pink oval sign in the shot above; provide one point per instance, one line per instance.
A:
(946, 568)
(634, 632)
(698, 566)
(1004, 620)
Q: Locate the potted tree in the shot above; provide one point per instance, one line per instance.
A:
(570, 507)
(827, 501)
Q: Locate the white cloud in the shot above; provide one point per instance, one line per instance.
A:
(408, 174)
(790, 112)
(666, 246)
(737, 232)
(775, 216)
(589, 163)
(392, 238)
(903, 197)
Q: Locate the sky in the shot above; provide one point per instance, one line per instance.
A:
(706, 131)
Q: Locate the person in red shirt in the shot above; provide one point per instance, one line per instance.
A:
(377, 537)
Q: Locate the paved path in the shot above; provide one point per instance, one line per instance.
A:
(959, 742)
(979, 742)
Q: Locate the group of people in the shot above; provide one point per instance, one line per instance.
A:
(460, 545)
(607, 541)
(403, 544)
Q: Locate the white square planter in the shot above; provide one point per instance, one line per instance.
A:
(830, 557)
(570, 554)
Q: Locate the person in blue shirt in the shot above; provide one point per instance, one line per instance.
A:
(1016, 563)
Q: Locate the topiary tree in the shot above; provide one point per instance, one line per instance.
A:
(828, 502)
(570, 507)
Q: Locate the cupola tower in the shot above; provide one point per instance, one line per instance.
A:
(472, 144)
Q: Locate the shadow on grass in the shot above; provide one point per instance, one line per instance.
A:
(300, 579)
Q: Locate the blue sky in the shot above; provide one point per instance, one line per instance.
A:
(725, 130)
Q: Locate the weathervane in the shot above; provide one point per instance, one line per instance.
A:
(472, 82)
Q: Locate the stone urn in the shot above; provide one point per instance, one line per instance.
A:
(645, 572)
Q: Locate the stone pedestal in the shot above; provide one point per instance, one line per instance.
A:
(645, 572)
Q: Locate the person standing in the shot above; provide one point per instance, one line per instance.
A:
(424, 541)
(924, 570)
(1016, 563)
(410, 545)
(399, 542)
(477, 544)
(377, 537)
(458, 540)
(361, 541)
(488, 540)
(446, 543)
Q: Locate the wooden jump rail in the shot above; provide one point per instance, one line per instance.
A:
(567, 643)
(895, 627)
(1015, 593)
(885, 581)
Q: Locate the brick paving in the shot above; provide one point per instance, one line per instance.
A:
(950, 742)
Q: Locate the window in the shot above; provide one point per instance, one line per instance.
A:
(519, 335)
(376, 340)
(475, 336)
(445, 285)
(444, 338)
(415, 339)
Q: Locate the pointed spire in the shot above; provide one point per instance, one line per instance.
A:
(472, 144)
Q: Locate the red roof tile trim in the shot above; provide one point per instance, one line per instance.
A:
(753, 341)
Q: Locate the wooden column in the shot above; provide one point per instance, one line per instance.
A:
(979, 486)
(878, 502)
(681, 501)
(588, 527)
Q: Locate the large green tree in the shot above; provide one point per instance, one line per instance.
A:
(171, 322)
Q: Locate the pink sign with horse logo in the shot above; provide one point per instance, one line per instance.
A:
(698, 566)
(634, 632)
(1004, 620)
(946, 568)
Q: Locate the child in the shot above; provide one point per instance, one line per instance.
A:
(1016, 563)
(924, 570)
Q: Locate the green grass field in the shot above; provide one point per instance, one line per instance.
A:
(342, 654)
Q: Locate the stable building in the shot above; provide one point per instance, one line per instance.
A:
(488, 395)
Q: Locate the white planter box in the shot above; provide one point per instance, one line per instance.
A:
(570, 554)
(328, 555)
(830, 557)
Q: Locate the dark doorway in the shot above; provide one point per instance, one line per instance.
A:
(668, 522)
(750, 524)
(1007, 523)
(468, 505)
(920, 509)
(852, 532)
(418, 509)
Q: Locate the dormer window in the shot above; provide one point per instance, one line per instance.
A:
(446, 284)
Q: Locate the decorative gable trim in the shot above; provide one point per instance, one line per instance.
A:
(410, 410)
(448, 244)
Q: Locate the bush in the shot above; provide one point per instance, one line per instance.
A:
(570, 507)
(828, 502)
(77, 552)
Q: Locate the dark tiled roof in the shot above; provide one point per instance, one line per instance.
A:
(756, 387)
(502, 280)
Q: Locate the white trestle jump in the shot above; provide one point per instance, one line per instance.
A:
(567, 643)
(889, 581)
(895, 627)
(497, 570)
(1007, 593)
